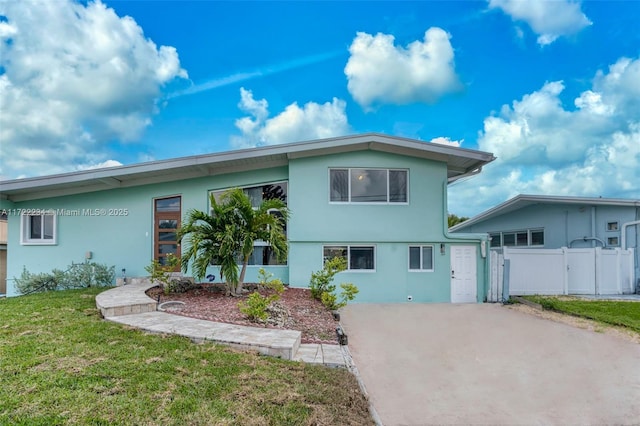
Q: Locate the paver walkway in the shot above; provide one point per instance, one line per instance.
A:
(130, 305)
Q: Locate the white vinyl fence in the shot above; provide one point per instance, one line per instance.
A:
(560, 271)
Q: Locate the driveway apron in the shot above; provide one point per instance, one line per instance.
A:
(484, 363)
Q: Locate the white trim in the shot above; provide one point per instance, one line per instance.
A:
(365, 203)
(421, 246)
(348, 247)
(25, 229)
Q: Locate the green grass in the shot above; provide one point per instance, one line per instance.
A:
(60, 363)
(619, 313)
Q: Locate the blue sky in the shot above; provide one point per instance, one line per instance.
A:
(552, 88)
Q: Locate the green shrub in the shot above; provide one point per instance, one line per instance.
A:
(162, 273)
(33, 283)
(255, 308)
(89, 274)
(267, 282)
(330, 300)
(77, 275)
(321, 280)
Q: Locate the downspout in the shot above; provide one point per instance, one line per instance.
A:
(467, 237)
(623, 233)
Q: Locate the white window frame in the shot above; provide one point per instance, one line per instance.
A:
(421, 247)
(613, 244)
(25, 230)
(349, 247)
(500, 236)
(349, 169)
(616, 225)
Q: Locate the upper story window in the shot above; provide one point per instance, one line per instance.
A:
(368, 186)
(38, 229)
(257, 194)
(263, 254)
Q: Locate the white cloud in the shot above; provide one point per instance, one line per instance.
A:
(76, 76)
(548, 19)
(379, 72)
(312, 121)
(544, 147)
(446, 141)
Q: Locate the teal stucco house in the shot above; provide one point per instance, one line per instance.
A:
(379, 201)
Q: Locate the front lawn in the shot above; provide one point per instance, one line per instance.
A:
(626, 314)
(60, 363)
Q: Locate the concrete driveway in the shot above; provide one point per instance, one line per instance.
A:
(487, 364)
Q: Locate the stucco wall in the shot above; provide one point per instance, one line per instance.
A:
(125, 241)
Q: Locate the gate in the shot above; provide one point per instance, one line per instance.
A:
(560, 271)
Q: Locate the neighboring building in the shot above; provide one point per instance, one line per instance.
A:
(540, 221)
(380, 201)
(3, 253)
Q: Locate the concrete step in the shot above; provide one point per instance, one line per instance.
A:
(126, 300)
(320, 353)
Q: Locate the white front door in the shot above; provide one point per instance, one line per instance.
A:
(464, 283)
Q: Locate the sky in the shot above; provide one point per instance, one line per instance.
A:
(551, 88)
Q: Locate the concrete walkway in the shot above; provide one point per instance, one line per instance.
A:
(130, 305)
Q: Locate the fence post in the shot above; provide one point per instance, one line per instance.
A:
(565, 275)
(505, 280)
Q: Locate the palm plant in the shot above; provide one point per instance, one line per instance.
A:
(228, 234)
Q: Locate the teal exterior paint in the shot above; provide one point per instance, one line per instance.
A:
(421, 219)
(391, 228)
(127, 241)
(390, 283)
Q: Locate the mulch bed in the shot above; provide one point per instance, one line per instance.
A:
(208, 302)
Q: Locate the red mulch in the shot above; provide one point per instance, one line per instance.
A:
(306, 314)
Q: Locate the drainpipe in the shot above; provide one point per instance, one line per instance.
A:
(484, 239)
(623, 233)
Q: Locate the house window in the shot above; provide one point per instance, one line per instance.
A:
(358, 257)
(257, 194)
(537, 237)
(421, 258)
(38, 229)
(613, 241)
(368, 186)
(612, 226)
(523, 238)
(263, 254)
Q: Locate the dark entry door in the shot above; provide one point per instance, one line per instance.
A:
(166, 224)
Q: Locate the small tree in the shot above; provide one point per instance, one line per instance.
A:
(228, 234)
(321, 280)
(162, 273)
(453, 220)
